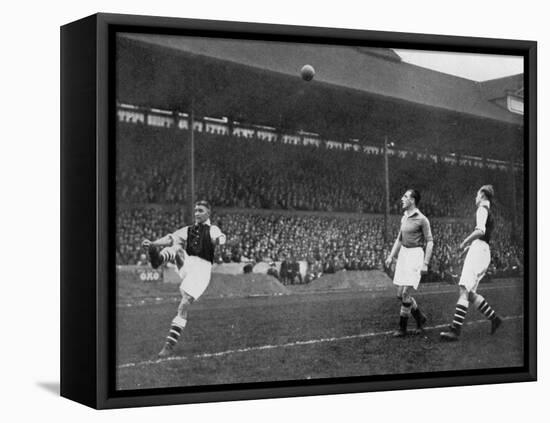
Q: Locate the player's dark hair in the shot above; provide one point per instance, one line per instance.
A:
(416, 195)
(203, 203)
(488, 191)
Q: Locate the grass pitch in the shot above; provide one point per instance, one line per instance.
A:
(311, 335)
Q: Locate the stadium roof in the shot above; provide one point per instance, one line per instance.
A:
(496, 88)
(176, 79)
(371, 70)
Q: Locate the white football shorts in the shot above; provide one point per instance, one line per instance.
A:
(408, 267)
(195, 275)
(475, 266)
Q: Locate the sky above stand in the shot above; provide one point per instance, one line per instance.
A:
(477, 67)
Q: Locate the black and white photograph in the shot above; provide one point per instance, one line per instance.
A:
(275, 211)
(291, 211)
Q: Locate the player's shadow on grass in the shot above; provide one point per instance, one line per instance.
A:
(52, 387)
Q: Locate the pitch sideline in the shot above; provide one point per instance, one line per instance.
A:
(290, 344)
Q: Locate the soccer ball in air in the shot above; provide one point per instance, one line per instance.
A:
(307, 72)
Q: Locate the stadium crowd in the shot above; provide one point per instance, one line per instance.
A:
(250, 173)
(327, 243)
(269, 178)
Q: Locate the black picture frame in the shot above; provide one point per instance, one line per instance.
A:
(88, 198)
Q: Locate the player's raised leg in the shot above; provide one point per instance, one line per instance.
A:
(159, 255)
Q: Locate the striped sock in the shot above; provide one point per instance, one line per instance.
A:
(174, 335)
(176, 329)
(167, 254)
(460, 314)
(484, 307)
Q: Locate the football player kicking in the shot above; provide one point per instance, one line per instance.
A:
(198, 241)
